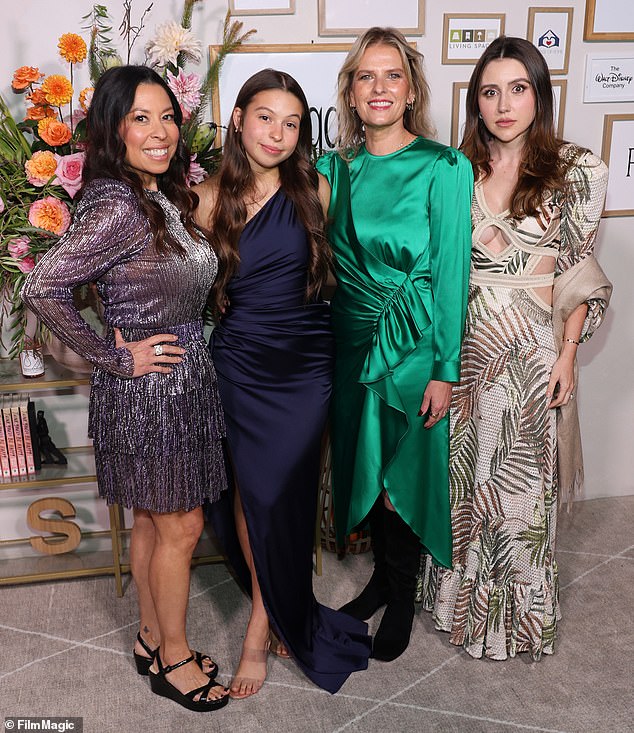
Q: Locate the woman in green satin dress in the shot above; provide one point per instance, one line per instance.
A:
(401, 235)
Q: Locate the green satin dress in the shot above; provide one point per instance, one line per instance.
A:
(400, 230)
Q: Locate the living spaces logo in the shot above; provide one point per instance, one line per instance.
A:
(472, 37)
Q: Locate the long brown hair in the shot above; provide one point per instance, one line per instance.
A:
(416, 120)
(541, 170)
(235, 180)
(105, 152)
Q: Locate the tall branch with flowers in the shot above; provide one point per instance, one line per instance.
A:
(41, 158)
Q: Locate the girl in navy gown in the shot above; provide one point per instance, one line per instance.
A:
(272, 348)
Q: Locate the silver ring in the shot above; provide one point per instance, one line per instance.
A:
(158, 350)
(434, 414)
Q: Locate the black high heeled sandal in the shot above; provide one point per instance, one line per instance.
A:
(162, 686)
(143, 663)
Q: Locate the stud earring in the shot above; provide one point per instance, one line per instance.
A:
(479, 115)
(410, 105)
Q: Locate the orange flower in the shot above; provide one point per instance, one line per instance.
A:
(58, 90)
(41, 167)
(53, 132)
(41, 108)
(51, 214)
(72, 48)
(24, 77)
(39, 112)
(85, 97)
(37, 96)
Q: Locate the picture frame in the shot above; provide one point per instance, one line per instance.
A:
(466, 35)
(560, 89)
(617, 151)
(340, 18)
(608, 20)
(458, 111)
(550, 30)
(262, 7)
(609, 78)
(459, 99)
(298, 59)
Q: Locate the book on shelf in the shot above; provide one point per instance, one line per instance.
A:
(19, 446)
(5, 466)
(28, 434)
(10, 436)
(17, 434)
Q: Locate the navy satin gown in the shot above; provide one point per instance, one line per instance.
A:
(273, 355)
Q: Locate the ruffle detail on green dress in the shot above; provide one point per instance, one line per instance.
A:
(398, 330)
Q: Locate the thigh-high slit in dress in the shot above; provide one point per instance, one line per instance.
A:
(273, 355)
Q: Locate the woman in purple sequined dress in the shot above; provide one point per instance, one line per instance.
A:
(155, 416)
(273, 352)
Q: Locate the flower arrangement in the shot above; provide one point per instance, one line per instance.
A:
(40, 173)
(41, 157)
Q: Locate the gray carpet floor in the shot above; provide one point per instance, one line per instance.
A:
(66, 650)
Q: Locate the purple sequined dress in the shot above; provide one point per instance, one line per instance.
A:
(157, 438)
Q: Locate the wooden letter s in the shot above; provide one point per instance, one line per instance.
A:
(53, 545)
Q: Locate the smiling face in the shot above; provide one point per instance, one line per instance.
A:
(150, 134)
(380, 89)
(506, 100)
(269, 128)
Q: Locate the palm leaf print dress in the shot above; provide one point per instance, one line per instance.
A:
(501, 595)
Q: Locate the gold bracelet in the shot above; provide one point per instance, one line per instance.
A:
(571, 341)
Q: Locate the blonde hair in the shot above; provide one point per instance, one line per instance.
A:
(350, 135)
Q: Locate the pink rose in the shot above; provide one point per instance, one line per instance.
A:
(73, 120)
(68, 172)
(78, 116)
(18, 247)
(1, 204)
(27, 264)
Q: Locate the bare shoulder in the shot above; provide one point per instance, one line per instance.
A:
(207, 192)
(324, 193)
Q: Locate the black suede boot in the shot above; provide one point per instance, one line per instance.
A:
(375, 593)
(402, 557)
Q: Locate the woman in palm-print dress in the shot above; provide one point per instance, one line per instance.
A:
(536, 292)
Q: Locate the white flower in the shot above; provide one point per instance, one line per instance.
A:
(170, 40)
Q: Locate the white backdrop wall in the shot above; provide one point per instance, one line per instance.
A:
(28, 36)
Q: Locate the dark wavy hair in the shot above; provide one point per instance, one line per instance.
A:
(105, 151)
(541, 171)
(235, 181)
